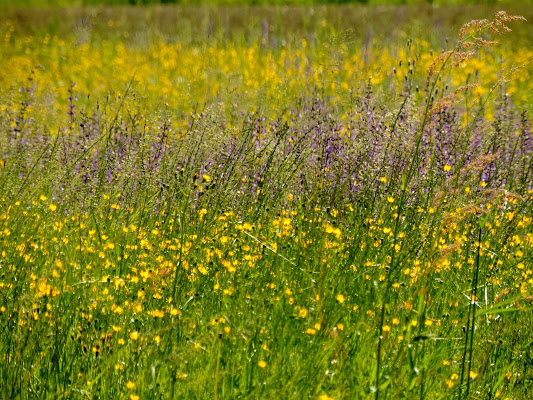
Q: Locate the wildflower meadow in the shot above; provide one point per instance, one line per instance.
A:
(258, 202)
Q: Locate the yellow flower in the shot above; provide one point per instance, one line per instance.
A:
(130, 385)
(52, 207)
(134, 335)
(262, 364)
(134, 397)
(340, 298)
(157, 313)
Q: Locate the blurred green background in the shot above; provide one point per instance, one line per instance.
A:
(41, 3)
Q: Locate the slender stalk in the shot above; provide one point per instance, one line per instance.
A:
(474, 294)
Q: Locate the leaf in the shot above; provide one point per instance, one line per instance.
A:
(503, 310)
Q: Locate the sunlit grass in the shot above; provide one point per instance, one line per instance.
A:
(244, 220)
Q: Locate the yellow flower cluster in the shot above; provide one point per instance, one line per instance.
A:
(180, 76)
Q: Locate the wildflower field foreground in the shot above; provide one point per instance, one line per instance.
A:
(235, 210)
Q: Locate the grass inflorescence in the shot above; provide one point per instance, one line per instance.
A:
(377, 248)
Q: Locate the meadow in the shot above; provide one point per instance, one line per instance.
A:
(266, 202)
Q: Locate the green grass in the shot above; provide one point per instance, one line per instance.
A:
(65, 3)
(385, 252)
